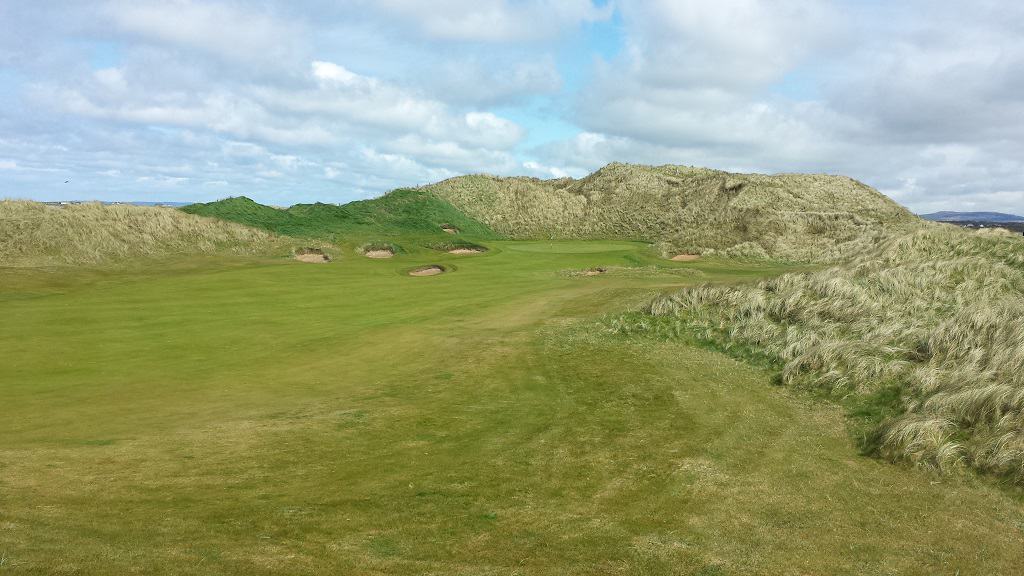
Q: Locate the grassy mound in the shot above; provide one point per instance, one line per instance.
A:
(456, 245)
(793, 217)
(398, 212)
(35, 234)
(923, 338)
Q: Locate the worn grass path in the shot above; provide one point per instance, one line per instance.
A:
(282, 418)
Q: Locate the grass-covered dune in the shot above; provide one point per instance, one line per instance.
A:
(401, 211)
(698, 210)
(35, 234)
(923, 338)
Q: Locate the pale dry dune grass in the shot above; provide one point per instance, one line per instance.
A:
(693, 210)
(927, 331)
(36, 234)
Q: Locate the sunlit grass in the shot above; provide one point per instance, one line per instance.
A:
(273, 417)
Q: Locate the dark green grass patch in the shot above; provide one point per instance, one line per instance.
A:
(403, 211)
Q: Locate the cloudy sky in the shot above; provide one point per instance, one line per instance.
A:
(333, 100)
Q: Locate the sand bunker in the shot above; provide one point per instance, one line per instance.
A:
(466, 251)
(432, 270)
(595, 271)
(449, 229)
(378, 253)
(312, 256)
(685, 257)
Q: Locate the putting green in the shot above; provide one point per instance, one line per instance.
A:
(276, 417)
(571, 247)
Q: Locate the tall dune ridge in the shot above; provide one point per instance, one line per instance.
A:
(799, 217)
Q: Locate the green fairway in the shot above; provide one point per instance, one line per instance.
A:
(259, 416)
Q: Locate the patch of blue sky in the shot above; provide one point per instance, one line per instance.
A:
(801, 84)
(546, 118)
(104, 54)
(603, 39)
(10, 82)
(542, 120)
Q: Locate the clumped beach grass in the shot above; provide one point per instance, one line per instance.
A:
(796, 217)
(923, 337)
(36, 234)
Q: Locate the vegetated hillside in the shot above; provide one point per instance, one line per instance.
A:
(36, 234)
(789, 216)
(923, 338)
(399, 211)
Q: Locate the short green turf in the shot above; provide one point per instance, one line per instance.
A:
(274, 417)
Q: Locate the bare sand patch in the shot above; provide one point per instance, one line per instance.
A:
(685, 257)
(378, 253)
(466, 251)
(432, 270)
(312, 256)
(448, 228)
(595, 271)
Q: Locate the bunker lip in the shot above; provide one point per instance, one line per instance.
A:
(428, 270)
(467, 250)
(595, 271)
(311, 256)
(685, 257)
(379, 253)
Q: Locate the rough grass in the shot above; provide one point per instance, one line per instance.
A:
(693, 210)
(405, 212)
(923, 337)
(36, 234)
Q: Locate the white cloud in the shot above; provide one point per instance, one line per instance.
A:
(112, 79)
(330, 74)
(728, 44)
(342, 104)
(694, 74)
(234, 31)
(8, 165)
(493, 20)
(491, 80)
(544, 171)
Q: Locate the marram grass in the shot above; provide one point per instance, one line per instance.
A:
(793, 217)
(932, 320)
(36, 234)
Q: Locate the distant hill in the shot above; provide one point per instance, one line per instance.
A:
(401, 211)
(948, 216)
(37, 234)
(684, 209)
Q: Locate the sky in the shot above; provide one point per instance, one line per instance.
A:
(335, 100)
